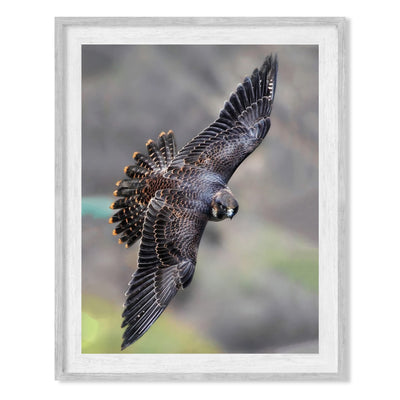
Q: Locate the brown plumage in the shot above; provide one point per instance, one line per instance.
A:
(167, 197)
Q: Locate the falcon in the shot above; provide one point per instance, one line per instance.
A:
(167, 197)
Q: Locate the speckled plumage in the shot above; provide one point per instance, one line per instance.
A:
(167, 198)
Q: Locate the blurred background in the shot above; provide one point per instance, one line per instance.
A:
(255, 288)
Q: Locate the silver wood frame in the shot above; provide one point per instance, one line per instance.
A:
(329, 34)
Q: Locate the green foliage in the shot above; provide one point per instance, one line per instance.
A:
(301, 267)
(296, 259)
(101, 332)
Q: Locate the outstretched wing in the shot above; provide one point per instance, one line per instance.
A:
(240, 128)
(167, 257)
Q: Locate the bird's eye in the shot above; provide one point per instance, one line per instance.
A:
(219, 205)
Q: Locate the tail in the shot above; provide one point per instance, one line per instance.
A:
(136, 191)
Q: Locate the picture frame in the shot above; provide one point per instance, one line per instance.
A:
(330, 363)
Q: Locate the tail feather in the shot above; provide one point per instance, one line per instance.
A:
(126, 218)
(166, 143)
(143, 161)
(155, 154)
(134, 172)
(136, 190)
(130, 229)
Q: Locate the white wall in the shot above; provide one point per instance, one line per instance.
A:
(27, 206)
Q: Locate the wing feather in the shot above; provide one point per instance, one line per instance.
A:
(167, 257)
(242, 125)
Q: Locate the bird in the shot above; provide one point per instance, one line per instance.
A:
(167, 197)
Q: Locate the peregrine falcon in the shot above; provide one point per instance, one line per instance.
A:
(167, 197)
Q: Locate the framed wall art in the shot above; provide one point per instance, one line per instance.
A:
(264, 289)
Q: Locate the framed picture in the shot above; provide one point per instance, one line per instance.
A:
(268, 297)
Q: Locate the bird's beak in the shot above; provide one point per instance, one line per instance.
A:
(230, 213)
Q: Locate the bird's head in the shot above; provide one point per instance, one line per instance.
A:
(223, 205)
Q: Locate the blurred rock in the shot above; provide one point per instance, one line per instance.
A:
(249, 293)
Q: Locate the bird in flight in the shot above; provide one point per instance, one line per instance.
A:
(167, 197)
